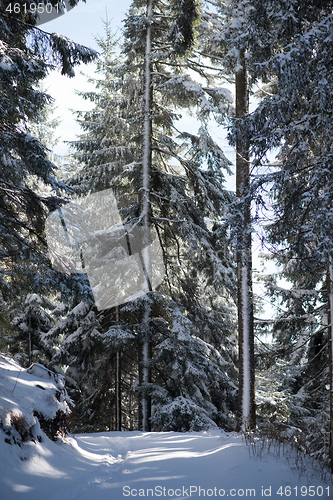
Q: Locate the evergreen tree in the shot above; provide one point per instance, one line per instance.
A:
(190, 316)
(28, 188)
(45, 125)
(300, 347)
(295, 57)
(32, 320)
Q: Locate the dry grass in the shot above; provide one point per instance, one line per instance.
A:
(282, 441)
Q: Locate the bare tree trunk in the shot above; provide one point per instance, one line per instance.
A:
(118, 390)
(118, 382)
(146, 400)
(30, 337)
(146, 167)
(130, 405)
(246, 401)
(144, 356)
(330, 345)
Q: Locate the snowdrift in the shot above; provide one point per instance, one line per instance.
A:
(31, 400)
(118, 465)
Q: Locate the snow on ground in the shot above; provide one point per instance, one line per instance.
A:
(118, 465)
(25, 391)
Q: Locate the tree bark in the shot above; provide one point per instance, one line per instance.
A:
(144, 357)
(29, 337)
(246, 400)
(330, 346)
(146, 168)
(118, 382)
(118, 390)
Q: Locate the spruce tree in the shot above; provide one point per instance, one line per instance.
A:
(295, 58)
(28, 188)
(45, 126)
(190, 319)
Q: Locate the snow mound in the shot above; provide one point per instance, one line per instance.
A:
(31, 399)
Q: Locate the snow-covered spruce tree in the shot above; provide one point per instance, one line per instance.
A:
(87, 358)
(170, 85)
(27, 55)
(45, 124)
(30, 312)
(190, 320)
(296, 118)
(32, 321)
(256, 27)
(300, 349)
(306, 197)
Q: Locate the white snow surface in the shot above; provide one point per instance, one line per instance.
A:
(25, 391)
(117, 465)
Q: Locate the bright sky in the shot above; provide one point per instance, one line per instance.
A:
(81, 24)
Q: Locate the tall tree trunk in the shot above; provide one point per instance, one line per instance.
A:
(131, 426)
(146, 167)
(144, 357)
(118, 382)
(29, 337)
(118, 389)
(246, 401)
(330, 345)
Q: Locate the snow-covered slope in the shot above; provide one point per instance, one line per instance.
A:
(28, 398)
(115, 465)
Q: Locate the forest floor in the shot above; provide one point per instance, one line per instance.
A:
(118, 465)
(115, 465)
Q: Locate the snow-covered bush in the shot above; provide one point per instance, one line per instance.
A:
(182, 415)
